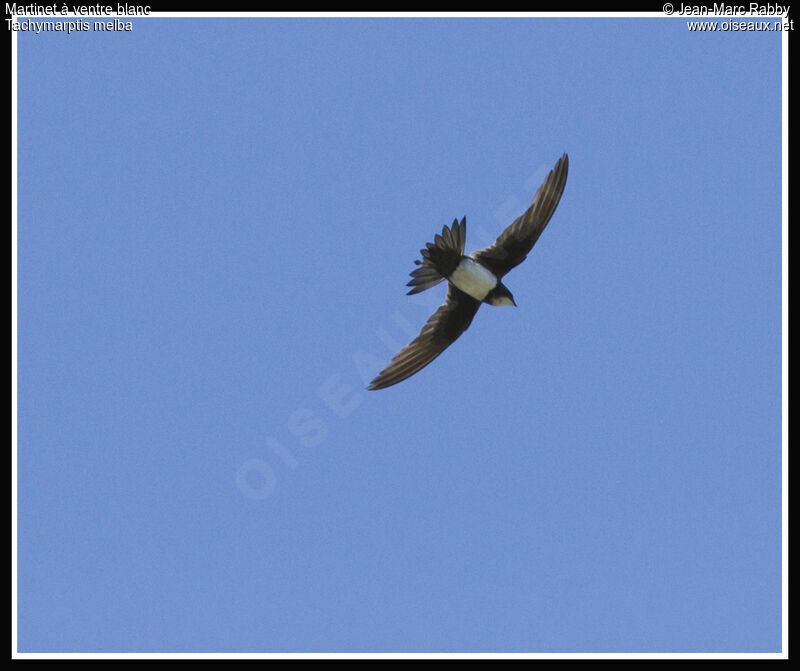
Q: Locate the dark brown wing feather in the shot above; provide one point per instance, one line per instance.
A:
(440, 331)
(514, 244)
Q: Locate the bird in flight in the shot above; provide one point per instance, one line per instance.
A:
(472, 279)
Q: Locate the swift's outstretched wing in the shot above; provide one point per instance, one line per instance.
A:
(441, 331)
(514, 244)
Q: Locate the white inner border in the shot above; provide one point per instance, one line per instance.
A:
(784, 654)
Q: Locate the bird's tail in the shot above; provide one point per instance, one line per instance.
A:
(440, 257)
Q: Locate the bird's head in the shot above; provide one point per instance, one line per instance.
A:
(501, 296)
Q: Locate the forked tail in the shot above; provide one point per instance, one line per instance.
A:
(440, 258)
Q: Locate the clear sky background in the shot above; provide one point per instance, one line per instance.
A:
(216, 222)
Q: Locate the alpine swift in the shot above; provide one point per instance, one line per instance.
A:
(472, 279)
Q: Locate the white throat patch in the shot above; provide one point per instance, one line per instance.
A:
(473, 279)
(502, 300)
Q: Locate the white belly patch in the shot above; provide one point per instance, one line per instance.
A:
(473, 279)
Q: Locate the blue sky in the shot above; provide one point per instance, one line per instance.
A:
(216, 222)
